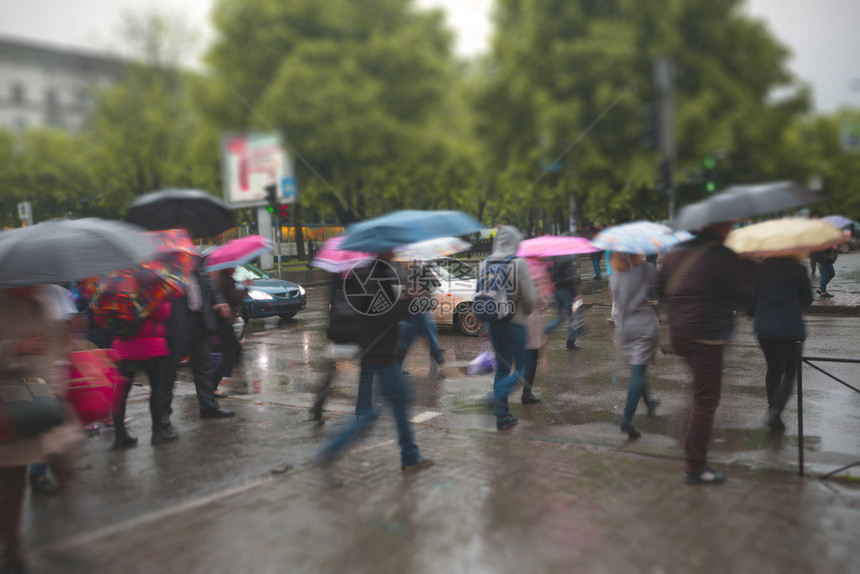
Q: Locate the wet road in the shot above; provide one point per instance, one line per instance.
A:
(583, 394)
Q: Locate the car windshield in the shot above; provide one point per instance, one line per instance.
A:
(248, 271)
(454, 270)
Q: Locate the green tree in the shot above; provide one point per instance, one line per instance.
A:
(362, 89)
(557, 65)
(147, 132)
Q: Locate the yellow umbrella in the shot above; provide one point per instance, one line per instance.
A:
(784, 236)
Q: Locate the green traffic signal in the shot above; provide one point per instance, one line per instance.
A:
(711, 187)
(709, 162)
(271, 209)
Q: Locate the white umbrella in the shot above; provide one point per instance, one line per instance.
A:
(783, 236)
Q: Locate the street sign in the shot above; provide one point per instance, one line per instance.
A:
(850, 135)
(249, 163)
(288, 189)
(25, 212)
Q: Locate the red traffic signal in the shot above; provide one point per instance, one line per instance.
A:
(285, 210)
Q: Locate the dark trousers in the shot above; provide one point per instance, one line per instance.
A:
(230, 351)
(531, 369)
(706, 363)
(195, 342)
(155, 370)
(781, 358)
(13, 482)
(827, 273)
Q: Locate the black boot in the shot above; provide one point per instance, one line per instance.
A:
(528, 397)
(123, 440)
(163, 435)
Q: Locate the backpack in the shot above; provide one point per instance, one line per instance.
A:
(494, 297)
(345, 322)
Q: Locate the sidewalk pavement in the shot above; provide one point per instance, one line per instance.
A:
(492, 503)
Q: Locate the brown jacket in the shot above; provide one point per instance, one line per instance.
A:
(702, 305)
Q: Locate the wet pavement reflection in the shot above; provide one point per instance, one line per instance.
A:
(563, 491)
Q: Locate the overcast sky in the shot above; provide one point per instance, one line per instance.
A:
(822, 34)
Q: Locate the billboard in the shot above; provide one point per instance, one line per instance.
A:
(250, 162)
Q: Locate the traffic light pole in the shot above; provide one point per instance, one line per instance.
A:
(664, 79)
(279, 235)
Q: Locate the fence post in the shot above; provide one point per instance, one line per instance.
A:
(799, 367)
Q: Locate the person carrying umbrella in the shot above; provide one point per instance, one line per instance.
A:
(381, 303)
(508, 336)
(700, 283)
(782, 291)
(636, 327)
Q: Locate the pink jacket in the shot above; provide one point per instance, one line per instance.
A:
(147, 343)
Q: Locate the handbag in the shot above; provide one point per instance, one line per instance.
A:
(28, 408)
(664, 337)
(94, 383)
(577, 319)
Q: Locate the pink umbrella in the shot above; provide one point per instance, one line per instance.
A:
(335, 260)
(238, 251)
(552, 245)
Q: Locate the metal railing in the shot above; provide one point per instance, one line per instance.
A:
(808, 360)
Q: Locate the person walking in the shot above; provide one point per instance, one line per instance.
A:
(596, 258)
(381, 303)
(700, 282)
(637, 329)
(231, 348)
(144, 351)
(509, 336)
(30, 346)
(782, 291)
(419, 321)
(826, 259)
(191, 322)
(563, 275)
(535, 327)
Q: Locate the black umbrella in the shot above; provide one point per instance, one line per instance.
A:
(61, 251)
(741, 201)
(195, 210)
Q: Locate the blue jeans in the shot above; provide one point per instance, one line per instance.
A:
(509, 344)
(596, 264)
(563, 302)
(827, 273)
(638, 389)
(421, 324)
(394, 392)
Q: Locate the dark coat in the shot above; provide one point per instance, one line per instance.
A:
(782, 291)
(703, 302)
(182, 320)
(563, 273)
(381, 310)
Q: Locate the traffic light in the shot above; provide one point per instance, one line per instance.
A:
(285, 211)
(271, 197)
(649, 135)
(709, 173)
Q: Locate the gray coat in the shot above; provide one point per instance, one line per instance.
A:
(506, 243)
(636, 323)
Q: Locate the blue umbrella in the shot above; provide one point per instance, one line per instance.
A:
(397, 228)
(640, 237)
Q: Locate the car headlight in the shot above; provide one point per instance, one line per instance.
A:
(301, 290)
(259, 295)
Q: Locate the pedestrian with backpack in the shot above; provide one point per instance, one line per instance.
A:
(504, 299)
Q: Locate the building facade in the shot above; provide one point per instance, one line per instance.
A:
(48, 87)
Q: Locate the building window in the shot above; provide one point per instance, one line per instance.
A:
(51, 97)
(20, 124)
(17, 94)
